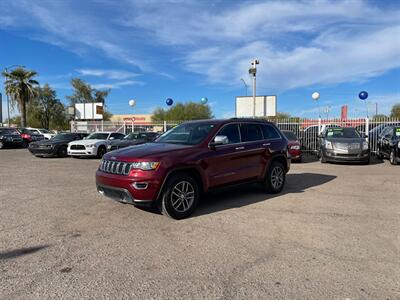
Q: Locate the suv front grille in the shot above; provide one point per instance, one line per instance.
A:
(115, 167)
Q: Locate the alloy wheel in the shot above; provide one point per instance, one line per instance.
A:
(182, 196)
(277, 177)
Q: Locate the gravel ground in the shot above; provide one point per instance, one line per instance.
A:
(332, 234)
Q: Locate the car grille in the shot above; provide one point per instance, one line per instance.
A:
(115, 167)
(77, 147)
(347, 146)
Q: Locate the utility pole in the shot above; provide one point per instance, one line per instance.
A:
(253, 71)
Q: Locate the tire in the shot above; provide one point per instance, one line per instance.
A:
(101, 151)
(392, 158)
(180, 197)
(24, 144)
(275, 178)
(379, 154)
(1, 145)
(62, 152)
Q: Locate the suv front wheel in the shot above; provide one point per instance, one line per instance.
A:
(275, 178)
(180, 196)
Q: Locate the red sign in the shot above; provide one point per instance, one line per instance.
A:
(344, 112)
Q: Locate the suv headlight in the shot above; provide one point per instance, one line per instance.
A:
(328, 145)
(295, 147)
(365, 145)
(145, 165)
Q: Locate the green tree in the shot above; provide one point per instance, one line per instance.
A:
(46, 110)
(282, 115)
(84, 93)
(395, 112)
(183, 111)
(379, 117)
(20, 87)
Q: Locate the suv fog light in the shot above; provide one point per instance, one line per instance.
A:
(140, 185)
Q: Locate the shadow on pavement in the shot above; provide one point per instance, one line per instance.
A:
(20, 252)
(250, 194)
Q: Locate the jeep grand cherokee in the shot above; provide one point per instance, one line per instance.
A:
(192, 158)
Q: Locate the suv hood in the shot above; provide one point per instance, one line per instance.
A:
(145, 150)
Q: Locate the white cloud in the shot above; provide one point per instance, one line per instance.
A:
(116, 85)
(299, 43)
(110, 74)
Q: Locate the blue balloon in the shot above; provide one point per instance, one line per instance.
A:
(169, 101)
(363, 95)
(204, 100)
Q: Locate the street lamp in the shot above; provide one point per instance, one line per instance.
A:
(253, 71)
(315, 96)
(245, 84)
(8, 100)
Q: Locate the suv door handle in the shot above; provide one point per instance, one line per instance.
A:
(267, 144)
(239, 148)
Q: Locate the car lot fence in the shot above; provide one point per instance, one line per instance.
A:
(307, 130)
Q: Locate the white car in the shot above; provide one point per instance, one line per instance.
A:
(48, 134)
(95, 144)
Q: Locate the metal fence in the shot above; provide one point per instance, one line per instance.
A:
(307, 130)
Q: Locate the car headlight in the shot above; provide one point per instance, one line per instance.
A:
(365, 145)
(91, 146)
(328, 145)
(145, 165)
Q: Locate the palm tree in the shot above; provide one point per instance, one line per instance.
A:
(20, 86)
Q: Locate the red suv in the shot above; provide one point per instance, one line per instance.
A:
(192, 158)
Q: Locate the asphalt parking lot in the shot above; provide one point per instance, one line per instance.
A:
(332, 234)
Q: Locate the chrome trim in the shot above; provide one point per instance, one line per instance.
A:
(115, 167)
(140, 188)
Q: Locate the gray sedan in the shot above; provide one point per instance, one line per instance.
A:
(344, 145)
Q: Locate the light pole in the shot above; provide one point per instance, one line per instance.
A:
(8, 100)
(245, 84)
(253, 71)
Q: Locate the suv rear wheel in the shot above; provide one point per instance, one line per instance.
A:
(275, 179)
(180, 196)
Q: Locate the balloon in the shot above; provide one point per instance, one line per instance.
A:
(363, 95)
(169, 101)
(132, 102)
(204, 100)
(315, 96)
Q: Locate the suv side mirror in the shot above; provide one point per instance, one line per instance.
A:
(219, 140)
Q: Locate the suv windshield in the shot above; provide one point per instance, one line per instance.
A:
(135, 136)
(186, 134)
(97, 136)
(342, 133)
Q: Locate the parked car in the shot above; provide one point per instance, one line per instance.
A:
(48, 134)
(9, 137)
(29, 136)
(132, 139)
(309, 137)
(344, 145)
(294, 145)
(94, 144)
(389, 144)
(57, 146)
(195, 157)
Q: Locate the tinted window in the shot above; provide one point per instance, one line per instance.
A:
(232, 132)
(290, 135)
(97, 136)
(270, 132)
(117, 136)
(250, 132)
(64, 136)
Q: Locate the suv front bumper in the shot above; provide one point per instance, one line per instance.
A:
(126, 189)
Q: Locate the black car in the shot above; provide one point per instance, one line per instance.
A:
(9, 137)
(29, 136)
(132, 139)
(57, 146)
(389, 144)
(343, 145)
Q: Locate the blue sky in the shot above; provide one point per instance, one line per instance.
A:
(150, 50)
